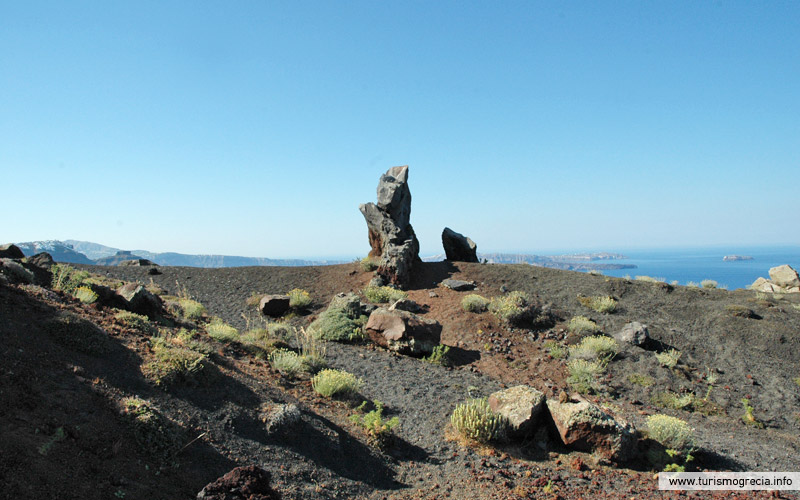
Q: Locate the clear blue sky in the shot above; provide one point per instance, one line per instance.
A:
(256, 128)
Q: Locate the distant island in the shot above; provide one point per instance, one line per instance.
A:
(734, 258)
(573, 262)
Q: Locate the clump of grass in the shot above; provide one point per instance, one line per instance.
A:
(379, 430)
(383, 294)
(797, 381)
(368, 264)
(601, 303)
(258, 343)
(85, 294)
(475, 303)
(254, 299)
(154, 434)
(581, 325)
(336, 325)
(555, 350)
(440, 355)
(641, 380)
(280, 330)
(650, 279)
(331, 383)
(709, 284)
(669, 359)
(583, 374)
(66, 278)
(173, 364)
(135, 321)
(672, 400)
(748, 417)
(513, 308)
(288, 363)
(594, 347)
(476, 421)
(221, 331)
(191, 309)
(312, 350)
(693, 284)
(299, 298)
(672, 433)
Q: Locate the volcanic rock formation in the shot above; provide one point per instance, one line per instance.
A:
(390, 234)
(458, 247)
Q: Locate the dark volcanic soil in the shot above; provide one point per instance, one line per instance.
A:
(53, 394)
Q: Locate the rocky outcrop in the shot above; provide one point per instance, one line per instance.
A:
(42, 259)
(585, 426)
(521, 406)
(458, 247)
(137, 299)
(458, 285)
(403, 332)
(274, 305)
(11, 251)
(391, 236)
(783, 279)
(242, 483)
(137, 262)
(633, 333)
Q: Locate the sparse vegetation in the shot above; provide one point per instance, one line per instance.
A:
(669, 359)
(709, 284)
(299, 298)
(641, 379)
(513, 308)
(748, 417)
(693, 284)
(601, 303)
(650, 279)
(191, 309)
(581, 325)
(85, 294)
(173, 364)
(383, 294)
(74, 332)
(440, 355)
(336, 325)
(475, 421)
(594, 347)
(583, 374)
(66, 278)
(136, 321)
(154, 434)
(221, 331)
(331, 383)
(676, 437)
(368, 264)
(288, 363)
(555, 350)
(475, 303)
(280, 417)
(379, 430)
(672, 400)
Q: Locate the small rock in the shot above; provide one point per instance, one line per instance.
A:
(633, 333)
(274, 305)
(405, 305)
(432, 294)
(521, 405)
(242, 483)
(403, 332)
(584, 426)
(784, 276)
(458, 285)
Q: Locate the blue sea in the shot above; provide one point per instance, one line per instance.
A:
(697, 264)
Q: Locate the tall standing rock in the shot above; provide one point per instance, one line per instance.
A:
(390, 233)
(458, 247)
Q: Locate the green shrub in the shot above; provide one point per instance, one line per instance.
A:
(440, 355)
(672, 433)
(513, 308)
(594, 347)
(85, 294)
(220, 331)
(669, 358)
(368, 264)
(289, 363)
(692, 284)
(299, 298)
(191, 309)
(476, 421)
(154, 434)
(254, 299)
(173, 364)
(379, 431)
(600, 303)
(555, 350)
(383, 294)
(583, 374)
(475, 303)
(336, 325)
(135, 321)
(312, 350)
(672, 400)
(641, 379)
(331, 383)
(581, 325)
(748, 417)
(280, 330)
(709, 284)
(66, 278)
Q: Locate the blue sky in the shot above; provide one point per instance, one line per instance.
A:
(256, 128)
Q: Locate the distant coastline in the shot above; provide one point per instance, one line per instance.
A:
(734, 258)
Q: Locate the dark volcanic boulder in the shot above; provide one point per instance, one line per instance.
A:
(11, 251)
(585, 426)
(139, 300)
(242, 483)
(458, 247)
(403, 332)
(43, 260)
(274, 305)
(391, 236)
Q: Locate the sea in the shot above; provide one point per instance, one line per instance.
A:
(686, 265)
